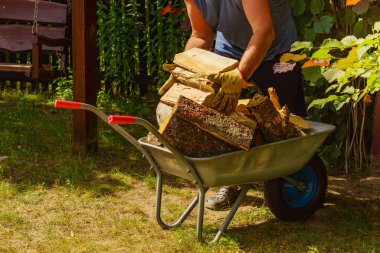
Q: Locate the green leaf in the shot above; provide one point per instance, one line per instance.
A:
(331, 87)
(333, 74)
(362, 50)
(350, 17)
(312, 74)
(373, 82)
(301, 45)
(349, 90)
(320, 103)
(376, 27)
(372, 15)
(332, 43)
(358, 72)
(323, 24)
(360, 29)
(349, 40)
(298, 7)
(323, 53)
(317, 6)
(347, 62)
(309, 34)
(355, 95)
(341, 101)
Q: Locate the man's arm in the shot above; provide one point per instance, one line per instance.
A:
(202, 36)
(259, 17)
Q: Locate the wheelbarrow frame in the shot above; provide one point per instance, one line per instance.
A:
(187, 164)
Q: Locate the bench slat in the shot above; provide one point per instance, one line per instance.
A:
(18, 38)
(48, 12)
(15, 67)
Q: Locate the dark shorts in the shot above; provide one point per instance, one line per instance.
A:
(286, 79)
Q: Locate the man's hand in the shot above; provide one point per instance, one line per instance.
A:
(232, 83)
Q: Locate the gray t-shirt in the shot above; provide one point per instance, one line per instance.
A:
(233, 31)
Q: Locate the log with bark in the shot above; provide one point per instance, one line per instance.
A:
(193, 141)
(179, 130)
(272, 119)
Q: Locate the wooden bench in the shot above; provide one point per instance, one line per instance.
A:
(27, 56)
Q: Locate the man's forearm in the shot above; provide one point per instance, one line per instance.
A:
(198, 43)
(254, 54)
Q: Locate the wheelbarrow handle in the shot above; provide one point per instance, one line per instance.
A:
(121, 120)
(67, 104)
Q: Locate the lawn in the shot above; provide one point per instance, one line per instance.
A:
(52, 200)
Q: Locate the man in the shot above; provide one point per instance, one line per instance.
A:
(257, 33)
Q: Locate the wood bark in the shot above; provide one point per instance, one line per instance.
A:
(211, 121)
(274, 124)
(193, 141)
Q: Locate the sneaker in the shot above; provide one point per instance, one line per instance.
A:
(223, 199)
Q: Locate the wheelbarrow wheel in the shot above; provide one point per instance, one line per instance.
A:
(287, 202)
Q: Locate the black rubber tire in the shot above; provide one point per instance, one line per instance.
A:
(275, 200)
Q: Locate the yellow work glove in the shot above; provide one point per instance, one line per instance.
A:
(232, 83)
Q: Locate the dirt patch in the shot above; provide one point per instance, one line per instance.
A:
(367, 188)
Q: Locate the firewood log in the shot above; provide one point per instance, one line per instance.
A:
(210, 121)
(274, 124)
(204, 62)
(177, 90)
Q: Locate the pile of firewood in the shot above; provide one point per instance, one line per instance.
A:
(188, 123)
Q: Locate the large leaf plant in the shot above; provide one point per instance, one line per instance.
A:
(351, 68)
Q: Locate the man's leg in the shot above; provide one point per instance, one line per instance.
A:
(223, 199)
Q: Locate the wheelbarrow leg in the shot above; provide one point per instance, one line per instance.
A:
(201, 209)
(235, 206)
(185, 213)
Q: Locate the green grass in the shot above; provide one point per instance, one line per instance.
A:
(52, 200)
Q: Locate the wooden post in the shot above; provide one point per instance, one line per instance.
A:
(375, 150)
(85, 73)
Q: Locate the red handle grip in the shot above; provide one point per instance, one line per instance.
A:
(67, 104)
(121, 120)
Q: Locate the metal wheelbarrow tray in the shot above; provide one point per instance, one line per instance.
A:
(260, 163)
(294, 189)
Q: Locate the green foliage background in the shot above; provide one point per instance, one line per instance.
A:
(133, 35)
(332, 29)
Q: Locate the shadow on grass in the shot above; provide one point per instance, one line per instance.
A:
(342, 225)
(38, 143)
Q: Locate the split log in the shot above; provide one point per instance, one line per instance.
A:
(204, 62)
(299, 122)
(193, 80)
(275, 126)
(177, 90)
(167, 85)
(211, 121)
(243, 119)
(163, 111)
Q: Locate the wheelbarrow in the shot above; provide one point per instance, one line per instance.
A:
(295, 180)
